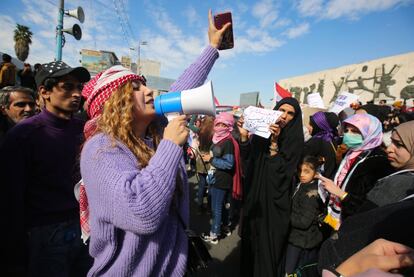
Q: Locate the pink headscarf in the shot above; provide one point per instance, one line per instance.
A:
(223, 133)
(371, 131)
(370, 128)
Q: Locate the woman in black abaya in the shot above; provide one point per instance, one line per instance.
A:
(271, 166)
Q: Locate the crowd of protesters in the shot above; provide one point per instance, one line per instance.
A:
(109, 195)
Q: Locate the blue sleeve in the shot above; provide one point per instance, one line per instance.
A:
(224, 162)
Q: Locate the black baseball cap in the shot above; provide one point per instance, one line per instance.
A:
(60, 69)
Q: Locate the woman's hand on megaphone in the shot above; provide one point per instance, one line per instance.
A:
(177, 130)
(215, 36)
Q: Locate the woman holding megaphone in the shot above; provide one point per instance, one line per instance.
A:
(135, 186)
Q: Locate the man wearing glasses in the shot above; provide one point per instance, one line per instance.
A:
(39, 160)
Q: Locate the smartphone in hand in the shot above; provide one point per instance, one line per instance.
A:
(219, 21)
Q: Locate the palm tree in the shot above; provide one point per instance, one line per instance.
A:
(22, 39)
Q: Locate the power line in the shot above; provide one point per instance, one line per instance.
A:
(124, 31)
(126, 18)
(125, 35)
(50, 2)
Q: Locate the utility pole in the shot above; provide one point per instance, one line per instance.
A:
(59, 31)
(74, 31)
(139, 54)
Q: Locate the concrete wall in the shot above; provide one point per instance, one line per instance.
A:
(386, 78)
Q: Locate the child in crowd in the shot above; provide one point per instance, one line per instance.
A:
(305, 235)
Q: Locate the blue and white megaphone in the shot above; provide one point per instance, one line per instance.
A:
(193, 101)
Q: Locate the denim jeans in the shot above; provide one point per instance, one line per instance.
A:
(220, 213)
(57, 250)
(202, 185)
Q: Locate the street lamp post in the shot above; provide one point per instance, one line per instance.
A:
(59, 28)
(75, 31)
(139, 54)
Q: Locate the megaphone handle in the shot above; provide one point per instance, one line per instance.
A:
(171, 116)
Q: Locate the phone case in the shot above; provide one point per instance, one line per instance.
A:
(219, 21)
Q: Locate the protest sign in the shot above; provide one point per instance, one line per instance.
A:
(343, 101)
(257, 120)
(315, 100)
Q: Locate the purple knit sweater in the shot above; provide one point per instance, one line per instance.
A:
(134, 230)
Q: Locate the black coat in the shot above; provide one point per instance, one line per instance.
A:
(391, 189)
(363, 178)
(306, 206)
(391, 222)
(267, 202)
(223, 177)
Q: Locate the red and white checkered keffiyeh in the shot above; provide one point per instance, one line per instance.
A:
(97, 91)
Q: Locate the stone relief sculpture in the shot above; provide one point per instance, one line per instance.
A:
(338, 86)
(307, 91)
(408, 91)
(321, 86)
(360, 85)
(384, 81)
(380, 86)
(297, 92)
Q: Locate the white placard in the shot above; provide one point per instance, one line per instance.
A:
(315, 100)
(257, 120)
(343, 101)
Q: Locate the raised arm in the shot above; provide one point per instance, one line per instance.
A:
(196, 74)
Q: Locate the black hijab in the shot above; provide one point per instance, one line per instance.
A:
(291, 139)
(268, 201)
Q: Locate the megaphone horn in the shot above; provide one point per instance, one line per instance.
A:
(74, 31)
(77, 13)
(193, 101)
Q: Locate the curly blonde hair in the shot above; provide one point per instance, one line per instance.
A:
(117, 121)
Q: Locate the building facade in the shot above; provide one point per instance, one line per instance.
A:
(150, 67)
(97, 61)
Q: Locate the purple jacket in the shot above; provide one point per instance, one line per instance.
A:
(134, 230)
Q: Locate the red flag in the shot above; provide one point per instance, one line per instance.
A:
(216, 102)
(281, 93)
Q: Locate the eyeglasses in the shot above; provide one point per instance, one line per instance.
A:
(67, 87)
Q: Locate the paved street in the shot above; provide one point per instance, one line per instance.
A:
(226, 254)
